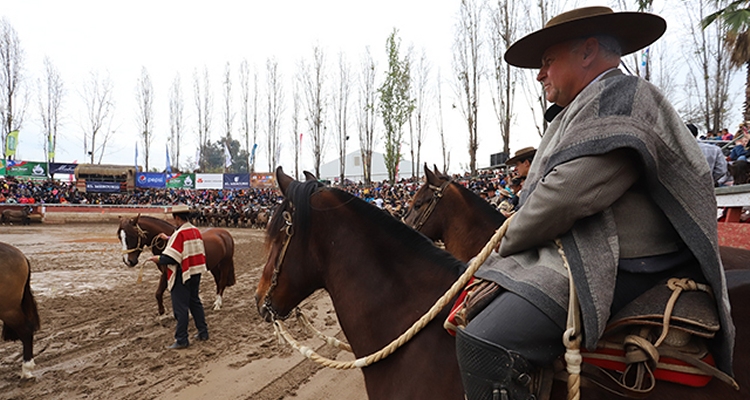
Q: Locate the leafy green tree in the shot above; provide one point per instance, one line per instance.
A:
(395, 104)
(736, 17)
(213, 154)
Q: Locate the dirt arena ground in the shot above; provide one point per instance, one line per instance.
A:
(101, 337)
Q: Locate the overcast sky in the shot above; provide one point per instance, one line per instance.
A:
(171, 37)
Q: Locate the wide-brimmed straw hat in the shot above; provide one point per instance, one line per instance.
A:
(526, 152)
(179, 209)
(632, 30)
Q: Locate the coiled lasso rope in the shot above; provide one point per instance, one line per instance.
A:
(414, 329)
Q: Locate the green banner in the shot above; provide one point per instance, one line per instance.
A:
(11, 142)
(29, 169)
(2, 167)
(181, 181)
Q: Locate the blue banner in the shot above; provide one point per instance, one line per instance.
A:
(61, 168)
(102, 187)
(236, 181)
(151, 180)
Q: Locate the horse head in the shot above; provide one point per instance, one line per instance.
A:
(132, 238)
(425, 201)
(287, 277)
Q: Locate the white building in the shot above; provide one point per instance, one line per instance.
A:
(354, 171)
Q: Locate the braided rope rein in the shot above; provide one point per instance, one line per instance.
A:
(457, 286)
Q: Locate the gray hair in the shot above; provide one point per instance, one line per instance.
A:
(610, 46)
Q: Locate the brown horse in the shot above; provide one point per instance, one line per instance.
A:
(382, 277)
(143, 231)
(20, 215)
(446, 211)
(17, 305)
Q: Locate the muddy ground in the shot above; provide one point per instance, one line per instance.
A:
(101, 337)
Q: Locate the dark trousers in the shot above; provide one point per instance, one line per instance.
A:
(514, 323)
(185, 298)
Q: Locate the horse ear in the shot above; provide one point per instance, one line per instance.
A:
(135, 220)
(309, 176)
(283, 180)
(426, 170)
(431, 177)
(435, 168)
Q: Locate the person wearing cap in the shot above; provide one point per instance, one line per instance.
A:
(715, 158)
(620, 183)
(185, 258)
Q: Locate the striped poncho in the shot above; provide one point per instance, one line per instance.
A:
(186, 247)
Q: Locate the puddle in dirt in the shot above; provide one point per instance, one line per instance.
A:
(70, 283)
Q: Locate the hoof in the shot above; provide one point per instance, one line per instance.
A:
(26, 368)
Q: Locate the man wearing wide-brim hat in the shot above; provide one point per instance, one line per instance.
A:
(522, 160)
(185, 259)
(622, 184)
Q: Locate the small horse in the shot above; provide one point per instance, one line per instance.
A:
(446, 211)
(18, 309)
(382, 277)
(143, 231)
(21, 215)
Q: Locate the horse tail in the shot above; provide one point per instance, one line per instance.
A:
(28, 304)
(29, 309)
(230, 276)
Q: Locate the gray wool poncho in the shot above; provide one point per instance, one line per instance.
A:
(613, 113)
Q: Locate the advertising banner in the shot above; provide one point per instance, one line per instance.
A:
(236, 181)
(102, 187)
(29, 169)
(209, 181)
(262, 180)
(181, 181)
(62, 168)
(150, 180)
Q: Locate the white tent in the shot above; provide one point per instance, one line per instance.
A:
(354, 168)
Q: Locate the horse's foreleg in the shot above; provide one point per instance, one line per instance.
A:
(160, 291)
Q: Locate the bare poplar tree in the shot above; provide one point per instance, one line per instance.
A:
(313, 79)
(97, 95)
(340, 111)
(422, 96)
(441, 127)
(468, 71)
(366, 113)
(709, 67)
(12, 101)
(144, 95)
(204, 107)
(51, 93)
(296, 135)
(502, 31)
(228, 111)
(244, 73)
(275, 100)
(176, 107)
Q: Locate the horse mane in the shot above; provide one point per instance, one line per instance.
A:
(157, 221)
(477, 201)
(298, 199)
(297, 202)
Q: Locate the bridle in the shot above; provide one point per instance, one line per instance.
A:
(437, 194)
(288, 231)
(141, 235)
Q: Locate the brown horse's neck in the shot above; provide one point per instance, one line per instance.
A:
(152, 227)
(468, 222)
